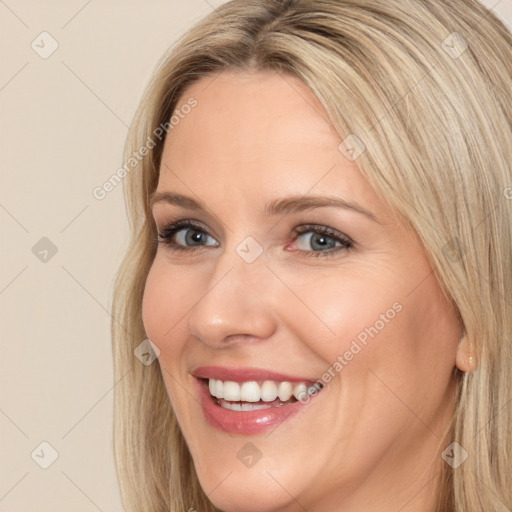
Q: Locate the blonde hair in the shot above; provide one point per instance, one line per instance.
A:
(435, 118)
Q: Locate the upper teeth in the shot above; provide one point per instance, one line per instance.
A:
(252, 391)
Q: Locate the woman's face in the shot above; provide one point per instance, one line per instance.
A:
(270, 286)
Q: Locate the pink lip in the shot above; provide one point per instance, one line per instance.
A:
(244, 374)
(244, 422)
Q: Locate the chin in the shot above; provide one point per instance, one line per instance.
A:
(243, 493)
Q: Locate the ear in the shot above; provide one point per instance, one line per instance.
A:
(465, 359)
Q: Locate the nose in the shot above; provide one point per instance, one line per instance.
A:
(236, 306)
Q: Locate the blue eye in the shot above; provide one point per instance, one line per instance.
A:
(186, 232)
(327, 240)
(186, 235)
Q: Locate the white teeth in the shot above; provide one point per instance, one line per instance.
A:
(254, 407)
(252, 391)
(285, 391)
(233, 407)
(268, 391)
(242, 407)
(299, 391)
(231, 391)
(219, 388)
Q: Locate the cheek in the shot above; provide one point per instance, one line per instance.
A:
(161, 294)
(151, 302)
(342, 312)
(377, 337)
(161, 318)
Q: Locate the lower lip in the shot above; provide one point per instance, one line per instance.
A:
(244, 422)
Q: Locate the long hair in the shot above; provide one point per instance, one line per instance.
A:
(425, 88)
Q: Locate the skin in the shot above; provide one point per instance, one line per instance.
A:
(372, 438)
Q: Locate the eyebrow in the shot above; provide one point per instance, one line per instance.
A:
(282, 206)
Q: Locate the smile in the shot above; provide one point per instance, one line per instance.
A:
(235, 405)
(262, 394)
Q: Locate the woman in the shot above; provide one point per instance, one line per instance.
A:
(375, 375)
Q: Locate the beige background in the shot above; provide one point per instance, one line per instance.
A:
(63, 124)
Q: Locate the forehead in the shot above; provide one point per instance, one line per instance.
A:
(254, 113)
(256, 135)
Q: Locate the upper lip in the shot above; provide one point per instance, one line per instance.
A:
(243, 374)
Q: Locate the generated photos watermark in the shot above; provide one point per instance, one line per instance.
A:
(357, 345)
(101, 191)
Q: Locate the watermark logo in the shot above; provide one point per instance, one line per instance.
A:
(454, 250)
(44, 455)
(454, 455)
(44, 45)
(249, 455)
(454, 45)
(249, 250)
(352, 147)
(146, 352)
(44, 250)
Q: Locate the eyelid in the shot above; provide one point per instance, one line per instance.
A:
(320, 228)
(171, 228)
(165, 216)
(180, 224)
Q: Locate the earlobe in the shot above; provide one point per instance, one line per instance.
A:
(465, 359)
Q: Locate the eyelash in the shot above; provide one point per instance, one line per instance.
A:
(169, 230)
